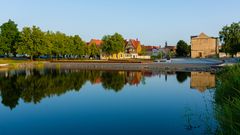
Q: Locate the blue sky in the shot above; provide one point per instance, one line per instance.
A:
(151, 21)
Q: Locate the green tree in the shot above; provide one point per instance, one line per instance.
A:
(230, 38)
(182, 49)
(8, 37)
(32, 42)
(78, 46)
(170, 54)
(87, 50)
(95, 51)
(113, 44)
(160, 55)
(49, 42)
(59, 44)
(143, 51)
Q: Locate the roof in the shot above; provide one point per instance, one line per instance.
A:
(202, 35)
(135, 43)
(170, 47)
(150, 48)
(95, 41)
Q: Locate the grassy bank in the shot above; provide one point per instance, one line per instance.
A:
(228, 100)
(14, 64)
(11, 61)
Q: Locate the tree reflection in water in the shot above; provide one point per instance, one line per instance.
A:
(34, 85)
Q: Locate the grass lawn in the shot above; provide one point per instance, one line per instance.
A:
(10, 61)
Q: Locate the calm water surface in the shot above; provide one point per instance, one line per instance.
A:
(49, 101)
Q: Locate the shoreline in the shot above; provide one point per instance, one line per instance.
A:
(118, 66)
(177, 65)
(133, 66)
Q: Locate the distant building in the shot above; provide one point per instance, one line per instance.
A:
(203, 46)
(132, 47)
(151, 50)
(168, 49)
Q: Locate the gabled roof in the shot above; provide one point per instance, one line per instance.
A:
(135, 43)
(201, 35)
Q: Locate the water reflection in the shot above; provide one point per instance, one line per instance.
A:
(34, 85)
(202, 81)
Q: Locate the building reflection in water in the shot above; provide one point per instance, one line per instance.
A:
(202, 81)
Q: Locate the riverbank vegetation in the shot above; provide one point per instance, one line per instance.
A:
(227, 94)
(227, 99)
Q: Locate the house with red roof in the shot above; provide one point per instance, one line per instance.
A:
(104, 56)
(133, 48)
(97, 42)
(151, 50)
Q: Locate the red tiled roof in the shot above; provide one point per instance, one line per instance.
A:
(150, 48)
(135, 43)
(95, 41)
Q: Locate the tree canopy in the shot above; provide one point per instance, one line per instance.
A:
(113, 44)
(8, 37)
(32, 42)
(35, 42)
(230, 38)
(183, 49)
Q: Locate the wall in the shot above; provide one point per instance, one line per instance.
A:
(120, 55)
(224, 55)
(144, 57)
(208, 47)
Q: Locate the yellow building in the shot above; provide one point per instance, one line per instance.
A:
(105, 56)
(203, 46)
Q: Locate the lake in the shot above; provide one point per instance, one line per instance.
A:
(51, 101)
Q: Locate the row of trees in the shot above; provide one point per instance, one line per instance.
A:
(35, 42)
